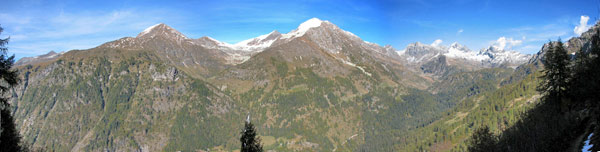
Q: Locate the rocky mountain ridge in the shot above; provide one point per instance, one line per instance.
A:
(317, 88)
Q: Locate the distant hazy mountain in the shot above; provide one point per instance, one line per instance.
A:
(439, 60)
(37, 59)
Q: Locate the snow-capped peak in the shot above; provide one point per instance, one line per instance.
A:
(210, 42)
(457, 50)
(147, 30)
(161, 29)
(418, 52)
(313, 22)
(456, 45)
(258, 43)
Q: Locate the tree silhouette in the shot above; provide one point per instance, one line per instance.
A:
(482, 140)
(250, 142)
(9, 136)
(556, 74)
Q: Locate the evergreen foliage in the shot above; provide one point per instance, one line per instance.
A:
(585, 84)
(10, 139)
(555, 74)
(250, 142)
(564, 113)
(8, 76)
(482, 140)
(568, 109)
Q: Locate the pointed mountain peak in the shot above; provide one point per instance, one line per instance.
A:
(304, 27)
(313, 22)
(273, 35)
(209, 39)
(456, 45)
(390, 48)
(387, 46)
(417, 44)
(212, 43)
(460, 47)
(492, 49)
(161, 29)
(258, 43)
(274, 32)
(149, 29)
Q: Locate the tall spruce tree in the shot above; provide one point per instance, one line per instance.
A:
(9, 136)
(250, 142)
(556, 74)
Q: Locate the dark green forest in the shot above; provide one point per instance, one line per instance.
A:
(568, 109)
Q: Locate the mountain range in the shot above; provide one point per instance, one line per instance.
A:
(315, 88)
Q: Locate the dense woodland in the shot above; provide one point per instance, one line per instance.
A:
(568, 109)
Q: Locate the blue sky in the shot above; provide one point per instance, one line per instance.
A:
(36, 26)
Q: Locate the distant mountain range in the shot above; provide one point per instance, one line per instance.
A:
(416, 53)
(315, 88)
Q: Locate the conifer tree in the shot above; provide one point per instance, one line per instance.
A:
(9, 136)
(556, 73)
(250, 142)
(482, 140)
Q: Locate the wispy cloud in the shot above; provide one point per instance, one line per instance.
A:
(583, 25)
(437, 42)
(459, 31)
(506, 43)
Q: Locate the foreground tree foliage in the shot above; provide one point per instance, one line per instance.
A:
(556, 74)
(250, 142)
(10, 139)
(568, 109)
(482, 140)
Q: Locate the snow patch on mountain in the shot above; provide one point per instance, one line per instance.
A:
(313, 22)
(459, 51)
(236, 58)
(218, 43)
(147, 30)
(354, 65)
(498, 56)
(162, 30)
(259, 43)
(493, 55)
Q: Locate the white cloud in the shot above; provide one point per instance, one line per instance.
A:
(436, 42)
(583, 26)
(506, 43)
(459, 31)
